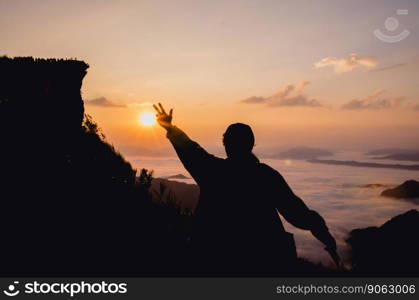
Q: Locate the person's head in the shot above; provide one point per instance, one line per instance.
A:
(238, 140)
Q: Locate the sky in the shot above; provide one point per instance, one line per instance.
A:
(310, 73)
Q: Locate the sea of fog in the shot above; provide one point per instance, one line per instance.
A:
(336, 192)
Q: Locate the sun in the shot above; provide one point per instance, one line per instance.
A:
(147, 118)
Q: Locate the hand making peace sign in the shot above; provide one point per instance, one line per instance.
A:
(164, 119)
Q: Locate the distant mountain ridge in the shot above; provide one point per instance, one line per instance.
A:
(177, 176)
(375, 185)
(414, 156)
(185, 194)
(408, 190)
(302, 153)
(389, 151)
(353, 163)
(395, 154)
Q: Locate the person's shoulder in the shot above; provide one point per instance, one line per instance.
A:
(271, 175)
(268, 170)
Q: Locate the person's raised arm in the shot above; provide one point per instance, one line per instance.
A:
(195, 159)
(296, 212)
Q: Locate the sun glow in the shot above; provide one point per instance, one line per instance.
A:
(147, 118)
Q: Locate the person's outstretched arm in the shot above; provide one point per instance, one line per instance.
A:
(194, 158)
(296, 212)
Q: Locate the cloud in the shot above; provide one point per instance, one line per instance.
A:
(255, 99)
(346, 64)
(302, 85)
(103, 102)
(290, 95)
(299, 100)
(416, 107)
(374, 101)
(389, 67)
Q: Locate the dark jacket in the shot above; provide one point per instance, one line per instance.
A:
(237, 222)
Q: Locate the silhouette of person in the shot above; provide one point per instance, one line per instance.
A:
(237, 227)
